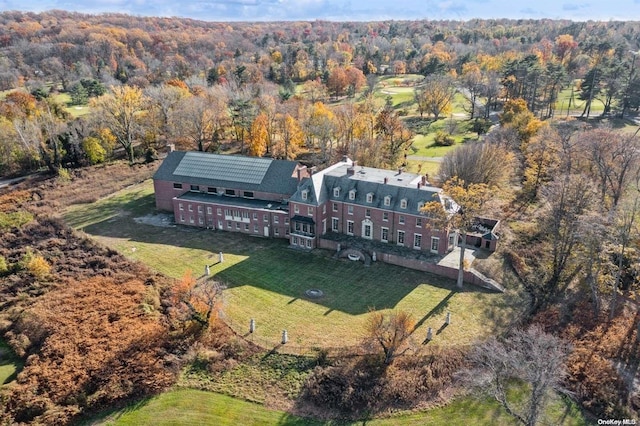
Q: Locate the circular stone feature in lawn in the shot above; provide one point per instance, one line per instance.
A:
(314, 293)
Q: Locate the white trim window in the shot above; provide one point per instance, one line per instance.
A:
(384, 235)
(400, 238)
(349, 227)
(403, 203)
(335, 224)
(417, 241)
(370, 197)
(352, 194)
(336, 192)
(435, 244)
(387, 200)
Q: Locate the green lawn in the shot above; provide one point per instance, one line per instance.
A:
(423, 166)
(194, 407)
(423, 144)
(267, 280)
(577, 105)
(74, 110)
(10, 365)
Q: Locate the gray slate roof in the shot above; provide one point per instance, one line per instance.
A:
(320, 188)
(230, 171)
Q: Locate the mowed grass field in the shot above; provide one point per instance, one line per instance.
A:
(267, 281)
(195, 407)
(10, 364)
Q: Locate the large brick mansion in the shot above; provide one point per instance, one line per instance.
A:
(283, 199)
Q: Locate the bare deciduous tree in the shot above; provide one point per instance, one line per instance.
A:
(530, 356)
(478, 163)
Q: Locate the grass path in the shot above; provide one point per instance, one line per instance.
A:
(194, 407)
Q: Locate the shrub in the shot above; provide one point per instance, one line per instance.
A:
(64, 175)
(14, 219)
(443, 139)
(4, 267)
(38, 267)
(93, 150)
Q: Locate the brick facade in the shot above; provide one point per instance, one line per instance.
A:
(373, 204)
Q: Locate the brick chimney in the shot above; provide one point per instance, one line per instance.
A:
(424, 180)
(386, 180)
(419, 185)
(301, 172)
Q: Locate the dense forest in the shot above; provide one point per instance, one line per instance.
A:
(273, 88)
(81, 90)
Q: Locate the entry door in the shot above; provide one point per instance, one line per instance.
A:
(266, 231)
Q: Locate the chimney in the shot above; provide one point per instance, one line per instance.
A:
(399, 170)
(345, 158)
(424, 180)
(386, 180)
(419, 185)
(351, 171)
(301, 172)
(171, 147)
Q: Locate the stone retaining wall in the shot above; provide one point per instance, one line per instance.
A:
(471, 276)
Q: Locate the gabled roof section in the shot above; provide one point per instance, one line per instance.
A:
(201, 165)
(230, 171)
(315, 184)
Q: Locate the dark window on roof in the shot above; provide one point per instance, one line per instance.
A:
(248, 194)
(231, 192)
(212, 190)
(177, 186)
(195, 188)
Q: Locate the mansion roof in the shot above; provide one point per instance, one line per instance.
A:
(230, 171)
(392, 190)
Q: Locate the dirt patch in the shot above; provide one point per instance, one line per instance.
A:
(158, 219)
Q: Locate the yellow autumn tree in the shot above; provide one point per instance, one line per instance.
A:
(435, 96)
(122, 112)
(470, 198)
(259, 136)
(516, 114)
(290, 138)
(321, 128)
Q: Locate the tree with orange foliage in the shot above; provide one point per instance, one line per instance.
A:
(390, 332)
(196, 300)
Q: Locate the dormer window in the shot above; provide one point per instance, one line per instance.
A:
(370, 197)
(420, 205)
(387, 200)
(352, 194)
(305, 194)
(403, 203)
(336, 192)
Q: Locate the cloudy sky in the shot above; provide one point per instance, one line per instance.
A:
(362, 10)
